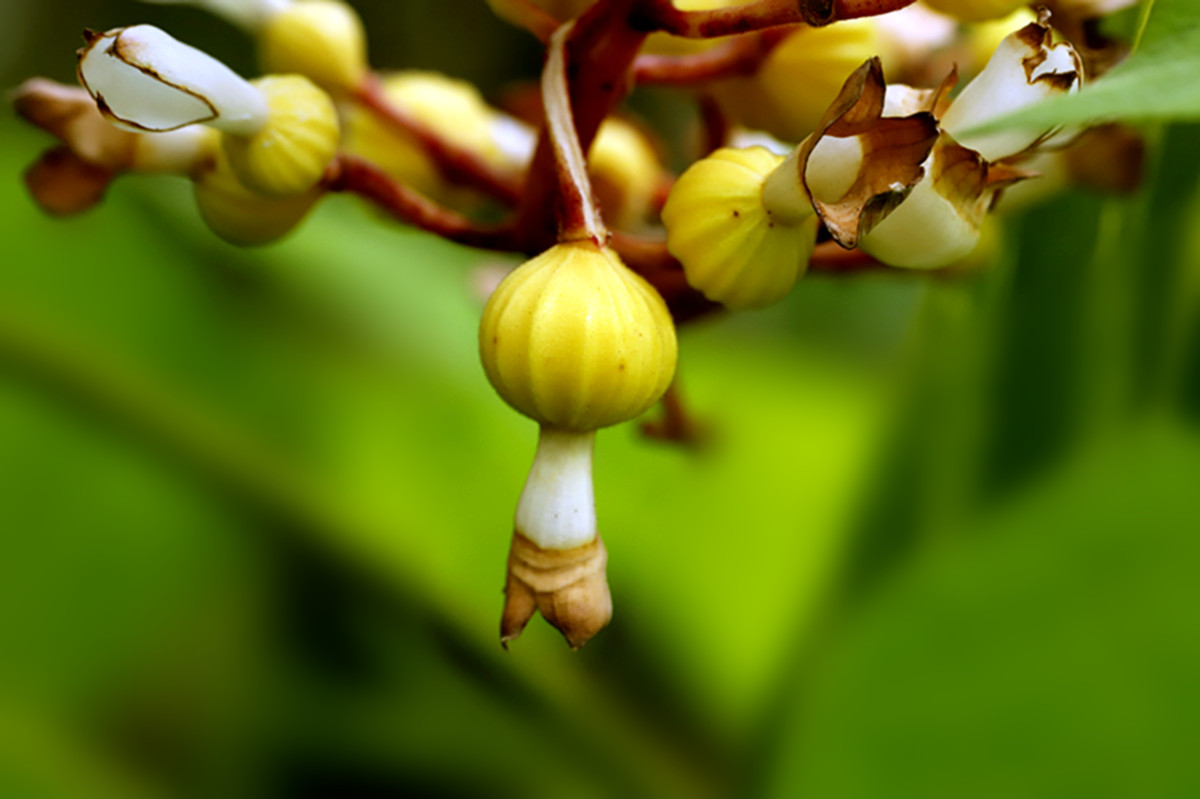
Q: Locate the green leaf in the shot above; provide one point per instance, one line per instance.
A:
(1049, 653)
(1157, 83)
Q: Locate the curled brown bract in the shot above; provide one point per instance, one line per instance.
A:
(893, 150)
(963, 177)
(567, 586)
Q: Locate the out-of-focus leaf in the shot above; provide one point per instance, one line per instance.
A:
(1051, 653)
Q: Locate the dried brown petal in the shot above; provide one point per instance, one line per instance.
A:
(568, 587)
(893, 150)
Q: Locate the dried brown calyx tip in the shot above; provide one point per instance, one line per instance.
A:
(568, 587)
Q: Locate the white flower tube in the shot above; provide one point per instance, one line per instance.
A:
(144, 79)
(1026, 69)
(557, 509)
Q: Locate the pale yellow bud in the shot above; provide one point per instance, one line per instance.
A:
(290, 153)
(320, 39)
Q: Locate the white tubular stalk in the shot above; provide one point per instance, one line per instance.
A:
(833, 167)
(557, 509)
(145, 80)
(247, 14)
(783, 193)
(1025, 69)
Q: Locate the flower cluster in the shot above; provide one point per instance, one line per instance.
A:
(811, 161)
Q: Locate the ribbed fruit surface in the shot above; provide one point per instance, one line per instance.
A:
(730, 247)
(575, 340)
(290, 154)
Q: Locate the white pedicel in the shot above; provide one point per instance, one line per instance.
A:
(557, 509)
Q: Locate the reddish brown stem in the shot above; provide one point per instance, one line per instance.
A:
(355, 176)
(456, 164)
(599, 55)
(675, 425)
(662, 15)
(716, 124)
(741, 55)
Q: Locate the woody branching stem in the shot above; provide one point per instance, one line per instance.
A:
(664, 16)
(741, 55)
(353, 175)
(457, 164)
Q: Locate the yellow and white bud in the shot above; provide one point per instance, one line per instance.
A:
(143, 79)
(452, 109)
(742, 238)
(1027, 68)
(323, 40)
(799, 78)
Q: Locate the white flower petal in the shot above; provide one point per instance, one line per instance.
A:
(1025, 69)
(144, 79)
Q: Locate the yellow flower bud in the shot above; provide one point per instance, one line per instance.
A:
(575, 340)
(243, 217)
(799, 79)
(625, 173)
(289, 155)
(733, 248)
(976, 10)
(453, 109)
(320, 39)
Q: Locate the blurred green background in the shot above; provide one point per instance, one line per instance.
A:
(255, 505)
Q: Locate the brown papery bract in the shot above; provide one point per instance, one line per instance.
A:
(567, 586)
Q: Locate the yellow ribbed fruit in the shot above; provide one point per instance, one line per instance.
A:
(290, 154)
(320, 39)
(575, 340)
(453, 109)
(799, 79)
(625, 173)
(976, 10)
(241, 216)
(731, 248)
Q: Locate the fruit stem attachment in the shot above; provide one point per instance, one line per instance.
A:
(578, 216)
